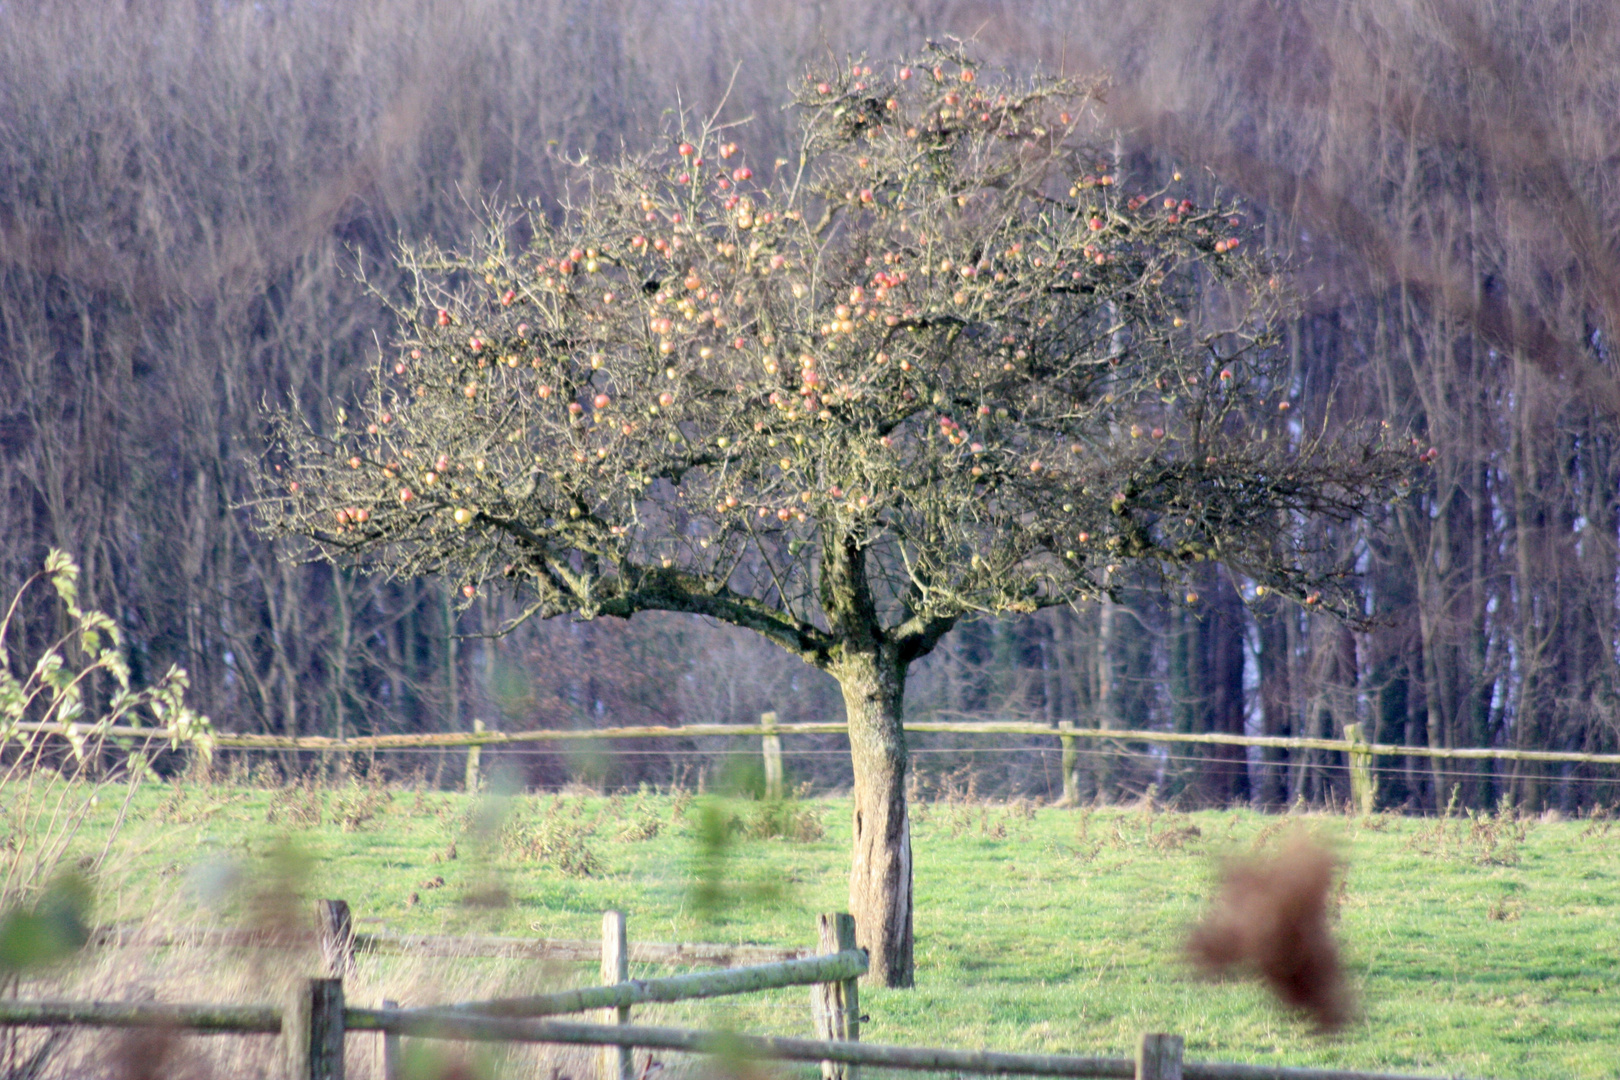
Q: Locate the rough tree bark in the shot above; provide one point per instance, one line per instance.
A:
(874, 683)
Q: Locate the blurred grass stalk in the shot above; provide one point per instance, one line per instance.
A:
(81, 684)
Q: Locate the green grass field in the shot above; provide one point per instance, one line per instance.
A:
(1478, 948)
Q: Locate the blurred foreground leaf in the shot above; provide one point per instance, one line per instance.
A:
(54, 928)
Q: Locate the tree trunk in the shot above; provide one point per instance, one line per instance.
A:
(880, 870)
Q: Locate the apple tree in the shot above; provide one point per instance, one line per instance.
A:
(936, 366)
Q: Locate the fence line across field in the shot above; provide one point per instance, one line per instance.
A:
(458, 739)
(317, 1036)
(315, 1023)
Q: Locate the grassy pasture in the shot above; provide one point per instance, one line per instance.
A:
(1485, 948)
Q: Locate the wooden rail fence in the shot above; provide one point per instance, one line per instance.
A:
(832, 969)
(321, 1021)
(1358, 751)
(1065, 730)
(315, 1025)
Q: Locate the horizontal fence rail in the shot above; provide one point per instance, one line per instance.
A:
(200, 1019)
(454, 739)
(438, 1025)
(835, 967)
(677, 954)
(447, 1024)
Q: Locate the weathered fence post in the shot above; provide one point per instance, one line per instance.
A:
(1158, 1057)
(392, 1053)
(836, 1006)
(312, 1031)
(336, 930)
(772, 744)
(617, 1061)
(1363, 790)
(1070, 766)
(469, 782)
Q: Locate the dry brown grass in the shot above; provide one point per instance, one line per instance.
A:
(259, 975)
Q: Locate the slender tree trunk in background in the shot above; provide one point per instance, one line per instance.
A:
(1346, 691)
(452, 681)
(1477, 702)
(1292, 644)
(1107, 696)
(1184, 701)
(880, 872)
(341, 588)
(1276, 702)
(1434, 690)
(1228, 639)
(1528, 624)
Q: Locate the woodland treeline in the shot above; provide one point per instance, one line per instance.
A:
(196, 198)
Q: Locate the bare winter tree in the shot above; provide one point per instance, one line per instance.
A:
(937, 367)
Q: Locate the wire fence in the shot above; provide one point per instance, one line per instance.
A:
(1063, 762)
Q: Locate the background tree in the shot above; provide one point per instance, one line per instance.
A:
(936, 367)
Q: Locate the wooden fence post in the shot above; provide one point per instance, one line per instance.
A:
(1363, 790)
(312, 1031)
(336, 930)
(1158, 1057)
(617, 1062)
(393, 1059)
(469, 782)
(772, 745)
(1070, 766)
(836, 1006)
